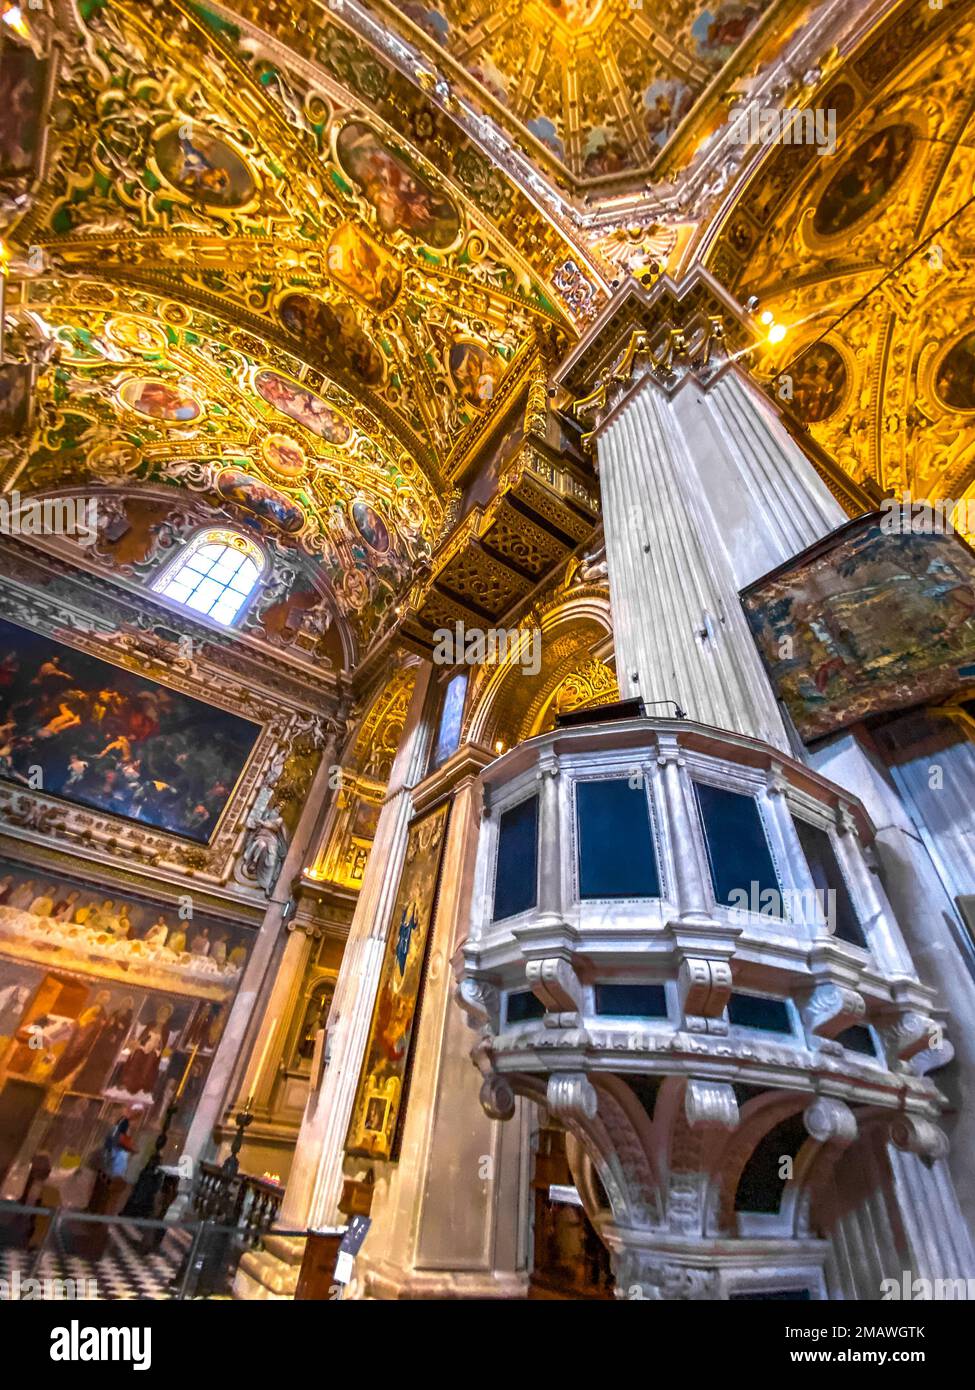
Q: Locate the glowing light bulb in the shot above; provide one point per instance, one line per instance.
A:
(767, 316)
(776, 333)
(14, 19)
(499, 746)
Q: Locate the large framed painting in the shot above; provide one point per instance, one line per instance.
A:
(868, 620)
(109, 1005)
(76, 727)
(376, 1124)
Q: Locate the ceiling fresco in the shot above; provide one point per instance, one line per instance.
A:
(265, 270)
(239, 282)
(593, 90)
(869, 259)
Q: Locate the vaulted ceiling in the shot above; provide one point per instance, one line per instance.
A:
(596, 92)
(253, 288)
(293, 264)
(868, 258)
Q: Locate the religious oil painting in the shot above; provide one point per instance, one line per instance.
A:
(260, 499)
(818, 383)
(362, 266)
(106, 738)
(575, 14)
(379, 1106)
(204, 167)
(165, 401)
(475, 371)
(284, 456)
(606, 152)
(370, 526)
(108, 1005)
(23, 83)
(303, 406)
(14, 399)
(333, 333)
(954, 379)
(719, 29)
(403, 199)
(666, 102)
(864, 180)
(868, 620)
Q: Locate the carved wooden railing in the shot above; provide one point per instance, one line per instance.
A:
(251, 1204)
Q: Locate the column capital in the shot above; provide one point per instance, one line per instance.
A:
(669, 331)
(918, 1135)
(548, 765)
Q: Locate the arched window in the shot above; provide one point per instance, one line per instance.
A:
(215, 574)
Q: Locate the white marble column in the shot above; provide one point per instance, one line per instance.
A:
(549, 841)
(680, 503)
(315, 1184)
(704, 491)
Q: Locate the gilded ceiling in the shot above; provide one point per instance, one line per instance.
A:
(265, 268)
(239, 281)
(869, 258)
(591, 89)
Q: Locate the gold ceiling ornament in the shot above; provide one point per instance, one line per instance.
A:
(593, 684)
(670, 329)
(867, 258)
(188, 420)
(641, 251)
(382, 726)
(506, 702)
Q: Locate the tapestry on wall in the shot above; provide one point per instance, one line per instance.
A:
(869, 620)
(76, 727)
(376, 1115)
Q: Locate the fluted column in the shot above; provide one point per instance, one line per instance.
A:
(690, 873)
(315, 1184)
(549, 840)
(743, 454)
(681, 634)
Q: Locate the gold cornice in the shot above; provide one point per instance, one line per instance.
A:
(668, 320)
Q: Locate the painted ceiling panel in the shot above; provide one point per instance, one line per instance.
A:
(596, 87)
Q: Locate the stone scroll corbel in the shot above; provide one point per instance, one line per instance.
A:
(830, 1121)
(704, 988)
(916, 1135)
(827, 1011)
(556, 984)
(710, 1105)
(909, 1035)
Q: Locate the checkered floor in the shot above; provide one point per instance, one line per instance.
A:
(124, 1271)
